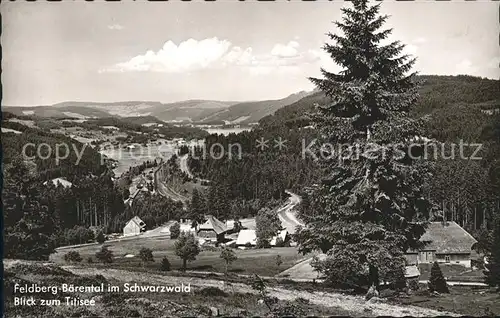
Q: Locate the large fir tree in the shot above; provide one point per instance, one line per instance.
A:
(369, 209)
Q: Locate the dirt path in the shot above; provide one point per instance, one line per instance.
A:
(302, 270)
(354, 304)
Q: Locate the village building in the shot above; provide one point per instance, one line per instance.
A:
(283, 235)
(448, 242)
(212, 229)
(134, 227)
(249, 238)
(246, 238)
(60, 181)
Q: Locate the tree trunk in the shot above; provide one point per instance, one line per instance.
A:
(374, 279)
(184, 265)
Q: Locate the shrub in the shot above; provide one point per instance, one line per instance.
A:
(290, 309)
(104, 255)
(212, 291)
(280, 242)
(413, 284)
(146, 255)
(72, 256)
(263, 243)
(175, 230)
(165, 264)
(436, 281)
(279, 260)
(100, 238)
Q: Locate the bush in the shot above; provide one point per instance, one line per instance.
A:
(263, 243)
(436, 281)
(413, 284)
(146, 255)
(165, 264)
(280, 242)
(100, 238)
(289, 309)
(72, 256)
(212, 291)
(104, 255)
(279, 260)
(175, 230)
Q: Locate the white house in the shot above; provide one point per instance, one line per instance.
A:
(246, 237)
(447, 242)
(134, 227)
(65, 183)
(249, 237)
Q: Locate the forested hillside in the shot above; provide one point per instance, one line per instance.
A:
(40, 215)
(436, 93)
(454, 108)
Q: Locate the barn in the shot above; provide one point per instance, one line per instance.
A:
(212, 229)
(134, 227)
(448, 242)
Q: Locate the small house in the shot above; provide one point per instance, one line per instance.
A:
(134, 227)
(447, 242)
(283, 235)
(246, 237)
(60, 181)
(212, 229)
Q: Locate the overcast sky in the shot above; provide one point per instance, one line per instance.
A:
(82, 51)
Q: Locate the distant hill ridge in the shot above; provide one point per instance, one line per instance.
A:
(194, 110)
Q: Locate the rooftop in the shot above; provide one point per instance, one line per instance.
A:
(447, 238)
(213, 224)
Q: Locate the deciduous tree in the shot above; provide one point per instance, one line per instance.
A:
(187, 248)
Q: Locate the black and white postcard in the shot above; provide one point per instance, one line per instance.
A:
(250, 158)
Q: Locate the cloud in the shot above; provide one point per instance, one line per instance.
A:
(288, 50)
(116, 27)
(171, 58)
(193, 55)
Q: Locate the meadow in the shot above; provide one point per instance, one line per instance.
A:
(251, 261)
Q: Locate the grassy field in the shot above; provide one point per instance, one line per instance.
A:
(253, 261)
(453, 272)
(468, 301)
(199, 302)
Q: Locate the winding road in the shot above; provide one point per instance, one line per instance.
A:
(183, 165)
(287, 213)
